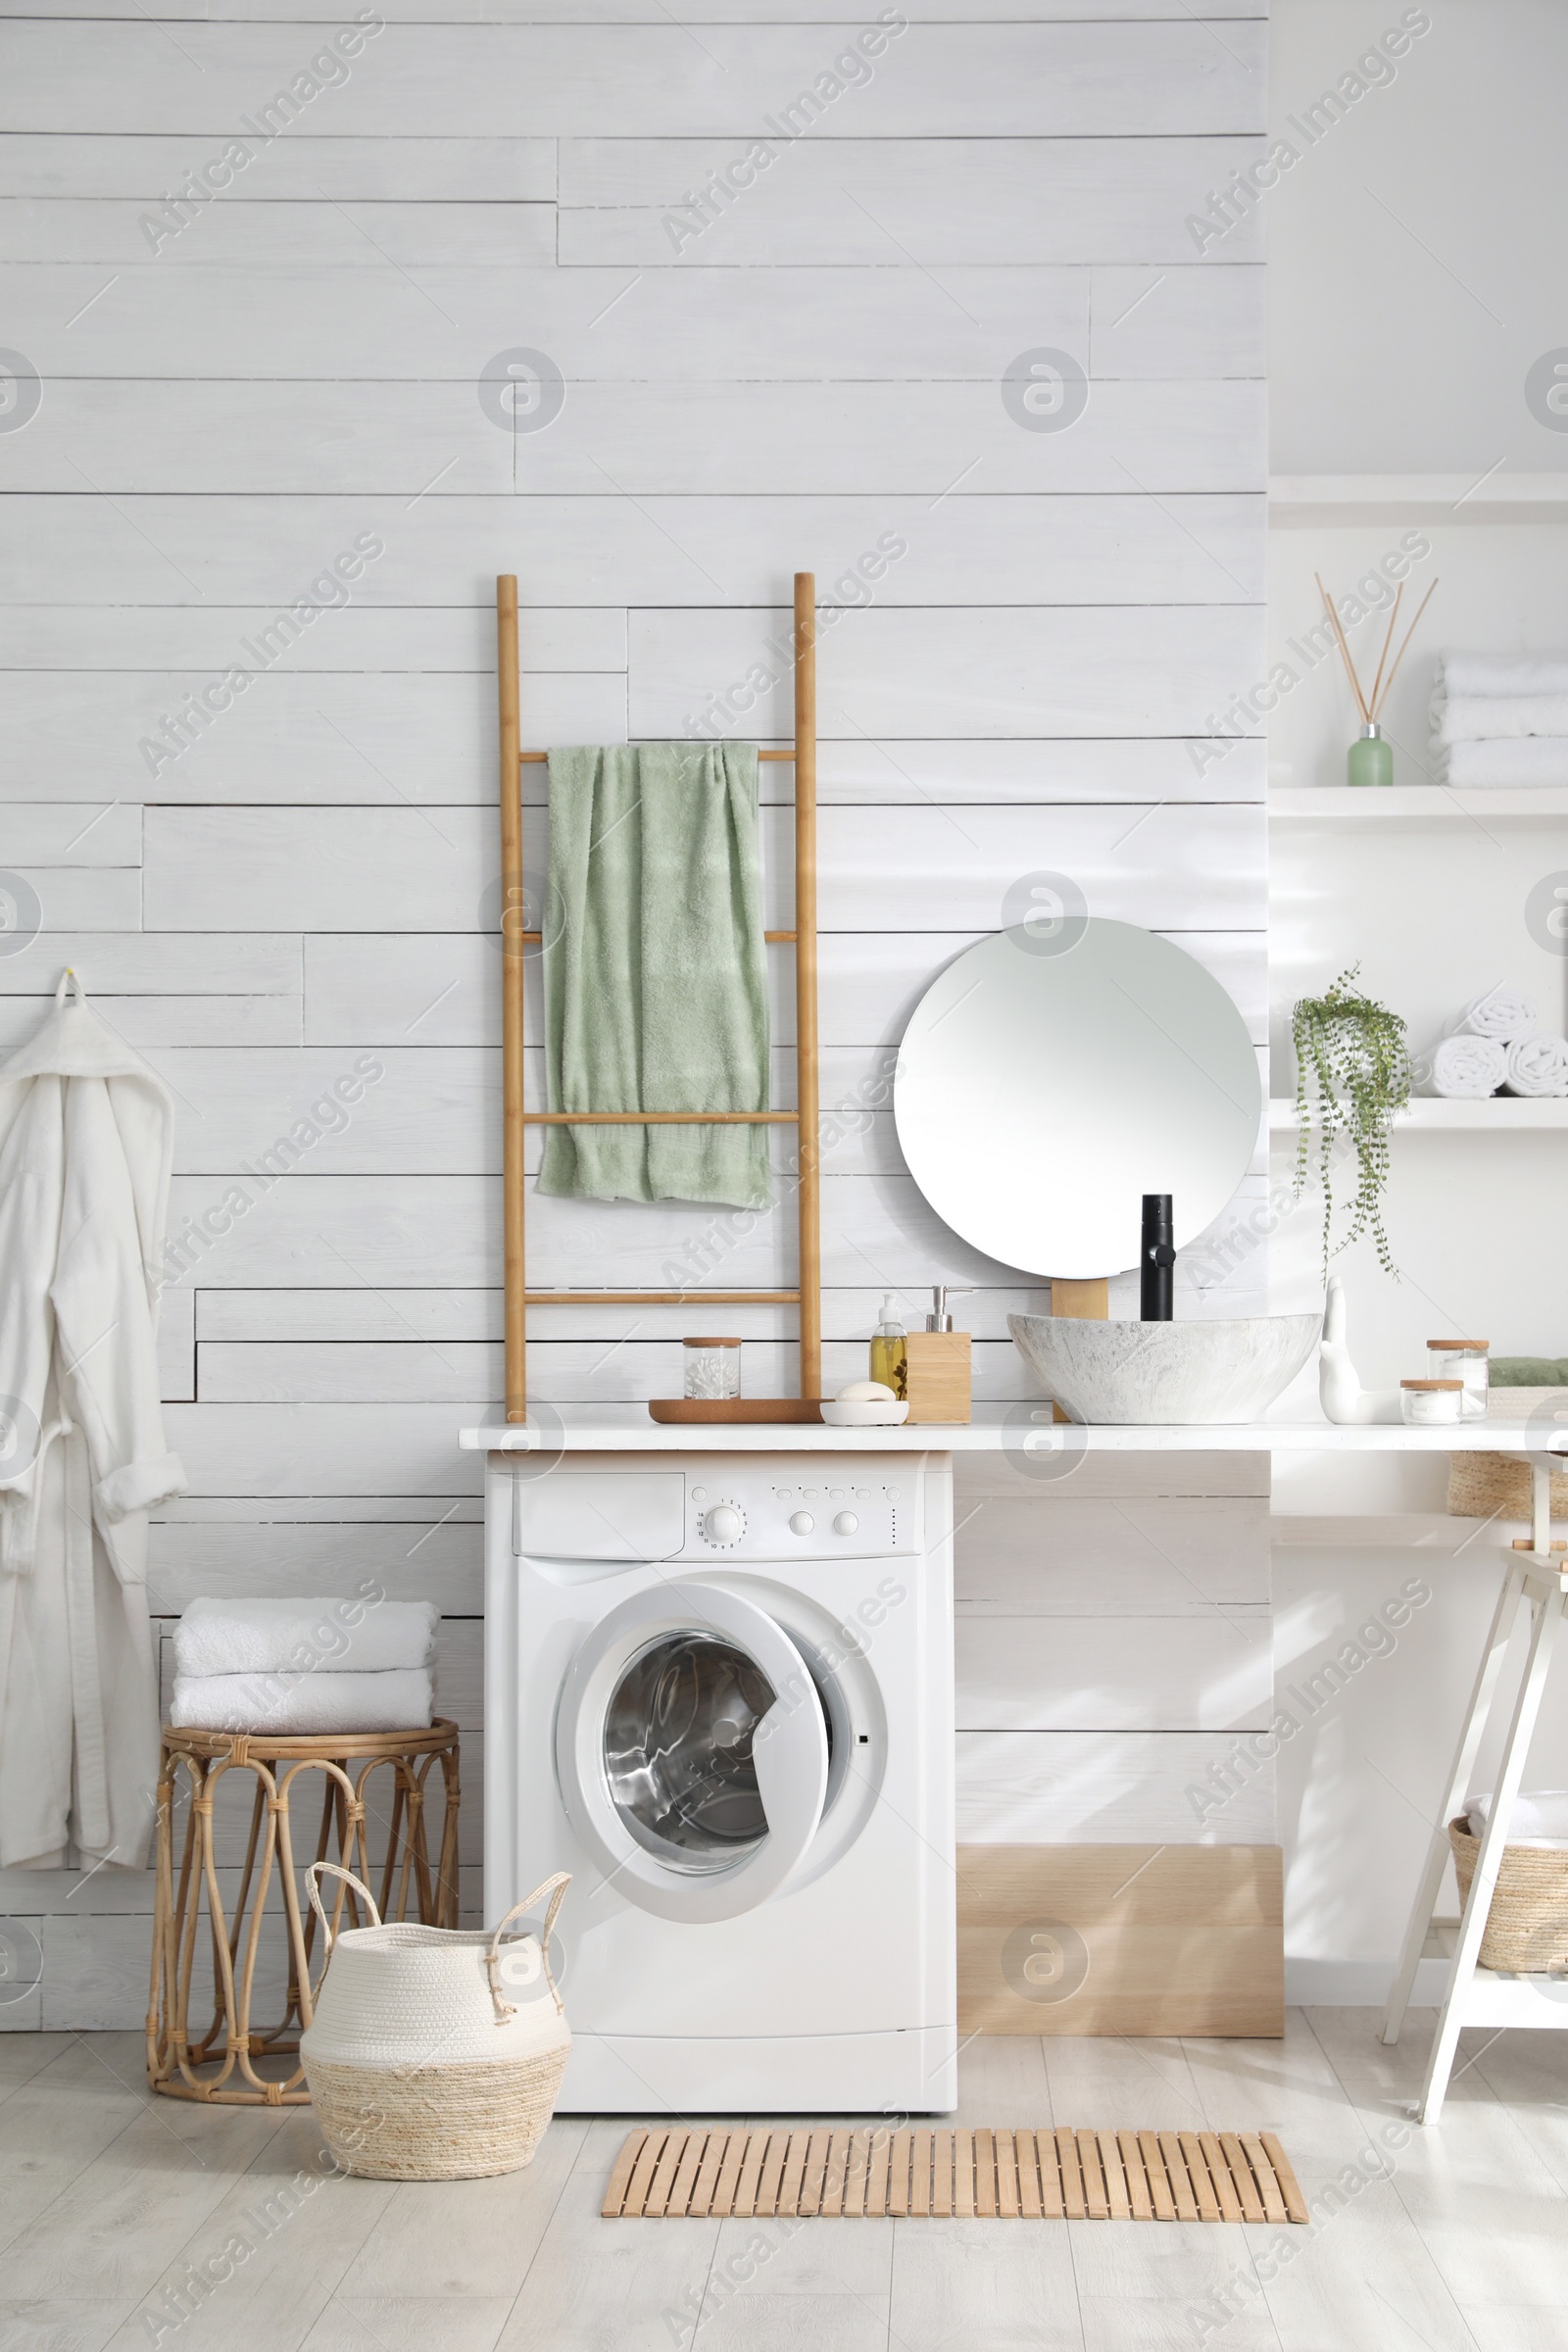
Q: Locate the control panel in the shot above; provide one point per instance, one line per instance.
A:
(827, 1513)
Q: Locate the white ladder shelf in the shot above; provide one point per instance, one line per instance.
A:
(1476, 1995)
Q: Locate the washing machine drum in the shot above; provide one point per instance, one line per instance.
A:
(693, 1748)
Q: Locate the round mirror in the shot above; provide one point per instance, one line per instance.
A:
(1057, 1072)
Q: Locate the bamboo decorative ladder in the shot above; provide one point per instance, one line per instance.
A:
(515, 942)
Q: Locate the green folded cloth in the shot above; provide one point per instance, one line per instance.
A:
(1528, 1372)
(656, 973)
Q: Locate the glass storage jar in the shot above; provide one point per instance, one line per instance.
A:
(1424, 1404)
(712, 1369)
(1469, 1360)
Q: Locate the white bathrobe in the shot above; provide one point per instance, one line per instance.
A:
(86, 1143)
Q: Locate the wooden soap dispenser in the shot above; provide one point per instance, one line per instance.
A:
(937, 1363)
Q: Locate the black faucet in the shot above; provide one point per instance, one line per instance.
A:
(1157, 1260)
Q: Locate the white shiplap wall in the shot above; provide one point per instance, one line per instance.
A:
(310, 883)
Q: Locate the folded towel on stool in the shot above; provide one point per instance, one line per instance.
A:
(1538, 1065)
(300, 1636)
(1504, 1014)
(1464, 1067)
(1540, 1817)
(401, 1699)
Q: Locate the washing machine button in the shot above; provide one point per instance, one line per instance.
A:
(835, 1494)
(698, 1493)
(844, 1524)
(723, 1524)
(801, 1523)
(893, 1494)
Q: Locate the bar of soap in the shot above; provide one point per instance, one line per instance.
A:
(866, 1392)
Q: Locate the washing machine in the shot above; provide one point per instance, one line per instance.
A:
(718, 1692)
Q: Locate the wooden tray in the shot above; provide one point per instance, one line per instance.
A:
(734, 1409)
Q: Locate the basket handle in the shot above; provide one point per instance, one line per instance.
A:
(556, 1888)
(313, 1879)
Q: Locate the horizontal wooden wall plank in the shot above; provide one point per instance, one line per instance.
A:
(950, 200)
(243, 232)
(1111, 1786)
(443, 1563)
(583, 80)
(152, 1023)
(421, 640)
(73, 833)
(1112, 548)
(314, 1451)
(85, 898)
(1010, 670)
(980, 1476)
(797, 440)
(138, 963)
(1209, 1673)
(134, 169)
(1053, 1554)
(290, 737)
(1199, 867)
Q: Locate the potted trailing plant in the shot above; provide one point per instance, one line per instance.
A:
(1352, 1075)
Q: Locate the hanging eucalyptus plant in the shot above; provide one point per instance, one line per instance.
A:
(1352, 1075)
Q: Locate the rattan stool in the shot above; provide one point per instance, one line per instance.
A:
(218, 2065)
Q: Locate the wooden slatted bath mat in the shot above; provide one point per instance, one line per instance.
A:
(674, 2173)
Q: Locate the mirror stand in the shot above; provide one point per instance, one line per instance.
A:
(1089, 1302)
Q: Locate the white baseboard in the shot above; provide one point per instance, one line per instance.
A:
(1358, 1983)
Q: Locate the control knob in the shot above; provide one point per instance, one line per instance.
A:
(723, 1524)
(801, 1523)
(844, 1524)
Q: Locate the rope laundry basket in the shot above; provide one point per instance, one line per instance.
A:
(434, 2053)
(1527, 1927)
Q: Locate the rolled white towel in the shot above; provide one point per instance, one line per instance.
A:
(1498, 717)
(1465, 1068)
(359, 1635)
(1503, 1012)
(400, 1700)
(1540, 1817)
(1538, 1065)
(1532, 760)
(1503, 673)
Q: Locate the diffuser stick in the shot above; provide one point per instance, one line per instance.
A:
(1387, 642)
(1408, 634)
(1345, 651)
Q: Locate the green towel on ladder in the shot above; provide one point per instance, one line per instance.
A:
(655, 973)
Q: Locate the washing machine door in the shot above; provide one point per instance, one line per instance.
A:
(692, 1747)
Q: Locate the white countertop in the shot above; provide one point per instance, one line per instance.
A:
(998, 1430)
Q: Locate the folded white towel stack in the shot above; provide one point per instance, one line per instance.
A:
(1540, 1817)
(355, 1664)
(399, 1700)
(355, 1636)
(1500, 719)
(1503, 1012)
(1463, 1068)
(1538, 1065)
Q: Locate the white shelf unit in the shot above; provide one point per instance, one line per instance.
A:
(1308, 501)
(1494, 1114)
(1418, 804)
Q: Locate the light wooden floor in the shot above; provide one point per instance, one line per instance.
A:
(109, 2197)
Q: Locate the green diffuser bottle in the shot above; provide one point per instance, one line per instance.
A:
(1370, 759)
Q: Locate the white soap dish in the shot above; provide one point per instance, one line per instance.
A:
(864, 1415)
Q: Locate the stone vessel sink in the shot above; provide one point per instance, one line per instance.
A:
(1165, 1371)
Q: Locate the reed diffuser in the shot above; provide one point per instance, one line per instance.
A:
(1370, 759)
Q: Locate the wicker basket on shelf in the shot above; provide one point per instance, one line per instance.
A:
(1527, 1930)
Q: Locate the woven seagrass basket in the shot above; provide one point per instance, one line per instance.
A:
(1527, 1930)
(435, 2054)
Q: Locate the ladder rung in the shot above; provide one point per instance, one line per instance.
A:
(540, 758)
(662, 1298)
(525, 939)
(660, 1119)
